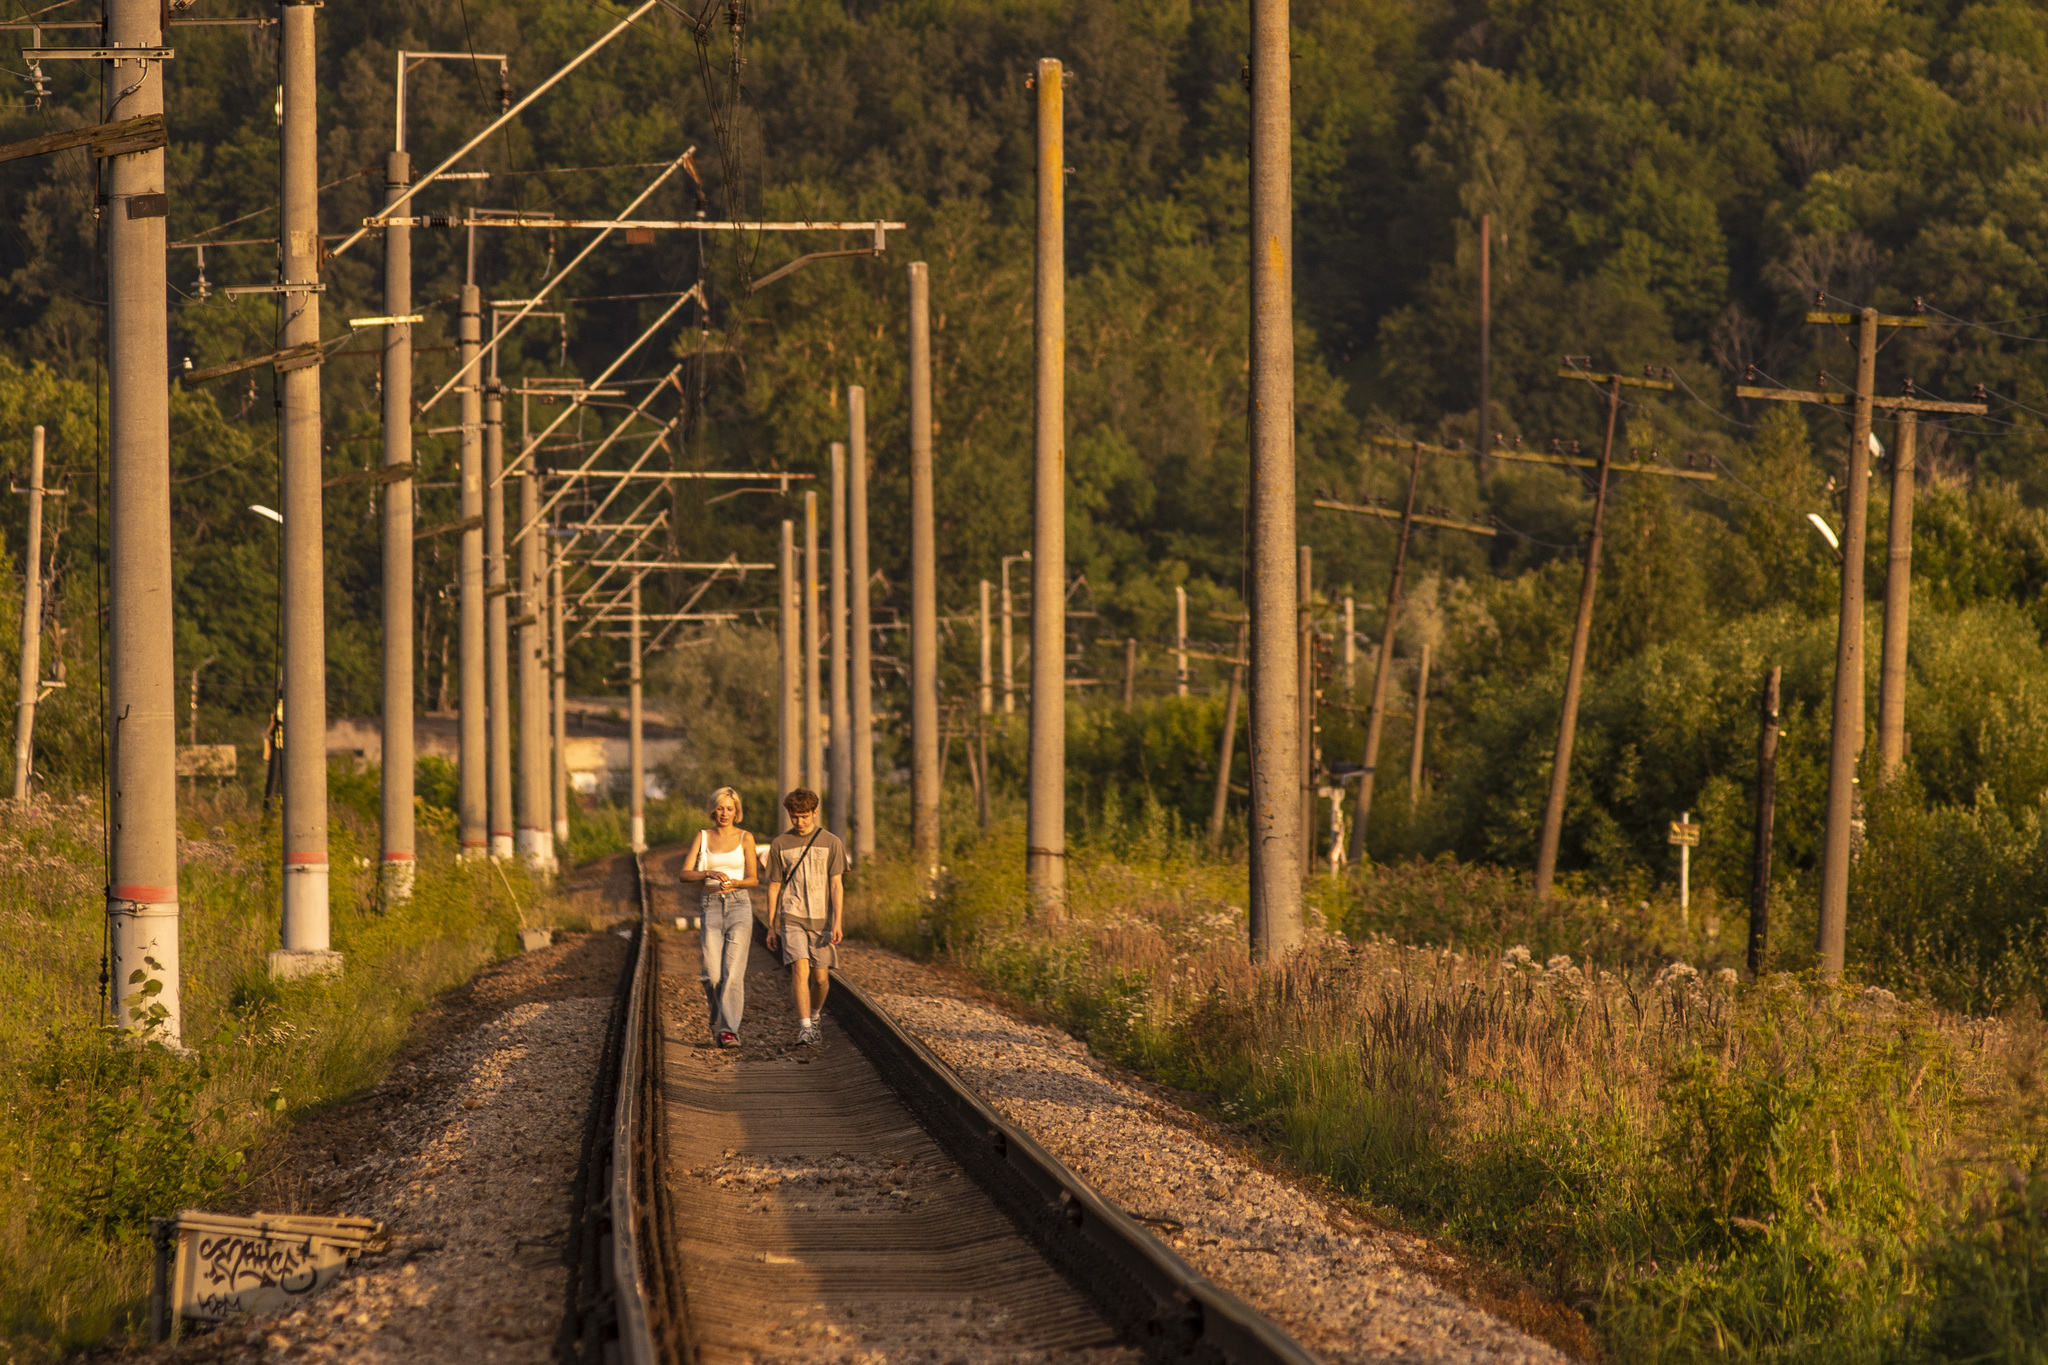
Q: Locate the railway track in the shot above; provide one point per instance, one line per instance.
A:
(849, 1201)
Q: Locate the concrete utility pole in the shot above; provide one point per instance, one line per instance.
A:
(472, 807)
(1485, 340)
(1180, 640)
(988, 630)
(1845, 741)
(1415, 741)
(305, 946)
(1305, 654)
(1045, 842)
(1575, 669)
(497, 644)
(1220, 810)
(1275, 809)
(558, 709)
(1766, 815)
(32, 624)
(636, 735)
(1350, 645)
(842, 717)
(396, 793)
(1898, 596)
(814, 717)
(1846, 738)
(1376, 712)
(862, 637)
(1009, 657)
(924, 605)
(789, 754)
(142, 888)
(536, 839)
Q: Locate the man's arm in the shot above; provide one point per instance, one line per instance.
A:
(774, 895)
(838, 899)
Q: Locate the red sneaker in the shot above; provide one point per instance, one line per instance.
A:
(728, 1039)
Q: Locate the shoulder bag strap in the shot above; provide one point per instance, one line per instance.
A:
(789, 878)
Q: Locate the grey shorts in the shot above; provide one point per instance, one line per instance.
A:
(799, 943)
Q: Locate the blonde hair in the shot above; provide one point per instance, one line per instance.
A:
(739, 807)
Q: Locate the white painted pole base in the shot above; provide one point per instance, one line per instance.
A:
(305, 907)
(561, 831)
(288, 964)
(537, 851)
(639, 834)
(501, 846)
(144, 938)
(398, 876)
(306, 937)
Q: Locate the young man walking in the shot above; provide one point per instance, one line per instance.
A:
(806, 893)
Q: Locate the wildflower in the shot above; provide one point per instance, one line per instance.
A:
(1725, 977)
(1677, 974)
(1517, 956)
(1561, 963)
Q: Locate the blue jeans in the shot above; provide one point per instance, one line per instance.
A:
(727, 937)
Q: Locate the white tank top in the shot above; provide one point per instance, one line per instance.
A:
(732, 862)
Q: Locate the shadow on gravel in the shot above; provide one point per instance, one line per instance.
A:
(342, 1134)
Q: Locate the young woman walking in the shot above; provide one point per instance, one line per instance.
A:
(723, 858)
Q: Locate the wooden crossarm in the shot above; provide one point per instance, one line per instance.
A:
(1892, 404)
(304, 355)
(1538, 457)
(144, 134)
(466, 524)
(1626, 381)
(1420, 519)
(1845, 319)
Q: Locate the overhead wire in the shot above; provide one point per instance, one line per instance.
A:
(269, 208)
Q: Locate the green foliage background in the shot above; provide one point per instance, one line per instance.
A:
(1669, 184)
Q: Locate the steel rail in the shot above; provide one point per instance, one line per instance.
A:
(1160, 1303)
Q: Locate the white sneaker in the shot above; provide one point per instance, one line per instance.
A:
(807, 1035)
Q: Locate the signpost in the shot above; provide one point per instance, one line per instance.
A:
(1685, 832)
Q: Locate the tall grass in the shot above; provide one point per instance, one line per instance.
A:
(98, 1134)
(1705, 1168)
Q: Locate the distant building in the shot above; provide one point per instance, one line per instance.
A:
(598, 748)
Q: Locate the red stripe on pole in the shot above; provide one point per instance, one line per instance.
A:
(155, 894)
(305, 858)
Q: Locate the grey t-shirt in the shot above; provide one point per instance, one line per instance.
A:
(806, 879)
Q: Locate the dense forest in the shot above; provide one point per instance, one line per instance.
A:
(1667, 184)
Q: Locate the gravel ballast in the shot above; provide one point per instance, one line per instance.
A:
(467, 1154)
(1348, 1291)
